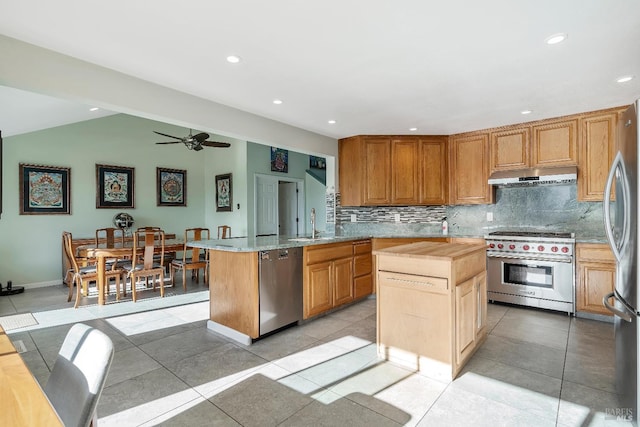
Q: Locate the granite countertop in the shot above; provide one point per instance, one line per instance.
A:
(254, 244)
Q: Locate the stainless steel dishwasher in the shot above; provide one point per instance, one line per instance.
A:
(280, 278)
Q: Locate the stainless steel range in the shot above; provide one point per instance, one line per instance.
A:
(536, 269)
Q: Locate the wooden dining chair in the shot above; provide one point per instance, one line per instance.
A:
(168, 256)
(82, 276)
(193, 259)
(224, 232)
(143, 264)
(111, 236)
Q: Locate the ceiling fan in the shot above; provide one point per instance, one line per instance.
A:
(194, 142)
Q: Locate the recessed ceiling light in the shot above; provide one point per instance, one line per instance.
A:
(332, 122)
(556, 38)
(233, 59)
(624, 79)
(526, 112)
(277, 101)
(94, 109)
(413, 129)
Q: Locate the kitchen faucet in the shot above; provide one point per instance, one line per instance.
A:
(313, 223)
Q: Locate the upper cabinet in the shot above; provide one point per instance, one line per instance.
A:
(398, 170)
(510, 149)
(554, 144)
(548, 143)
(470, 169)
(597, 149)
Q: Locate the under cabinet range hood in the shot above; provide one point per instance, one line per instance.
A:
(534, 176)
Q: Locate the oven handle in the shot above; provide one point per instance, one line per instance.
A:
(566, 260)
(621, 314)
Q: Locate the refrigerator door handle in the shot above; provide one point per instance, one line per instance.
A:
(615, 246)
(624, 315)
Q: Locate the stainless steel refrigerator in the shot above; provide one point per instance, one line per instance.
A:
(621, 227)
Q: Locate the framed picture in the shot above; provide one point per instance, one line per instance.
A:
(317, 162)
(224, 193)
(44, 190)
(279, 160)
(114, 187)
(171, 187)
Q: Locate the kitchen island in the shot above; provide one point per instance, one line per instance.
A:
(334, 278)
(431, 305)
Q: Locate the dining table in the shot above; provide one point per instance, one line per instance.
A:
(23, 401)
(101, 252)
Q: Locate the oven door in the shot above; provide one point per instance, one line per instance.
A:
(537, 278)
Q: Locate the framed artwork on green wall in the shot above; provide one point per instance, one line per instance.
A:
(114, 187)
(44, 190)
(171, 187)
(224, 193)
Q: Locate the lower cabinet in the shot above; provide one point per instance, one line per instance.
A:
(595, 276)
(335, 274)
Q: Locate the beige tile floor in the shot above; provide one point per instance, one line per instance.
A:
(536, 368)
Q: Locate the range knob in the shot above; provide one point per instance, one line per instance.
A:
(512, 247)
(525, 247)
(565, 249)
(500, 246)
(554, 249)
(540, 248)
(491, 245)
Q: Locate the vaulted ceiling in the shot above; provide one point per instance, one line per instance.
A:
(374, 67)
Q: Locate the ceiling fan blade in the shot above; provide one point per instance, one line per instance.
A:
(170, 136)
(216, 144)
(201, 137)
(170, 142)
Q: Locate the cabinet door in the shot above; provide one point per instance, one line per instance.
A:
(597, 148)
(404, 171)
(555, 144)
(466, 303)
(434, 171)
(596, 269)
(350, 171)
(510, 149)
(318, 295)
(481, 301)
(470, 164)
(377, 176)
(342, 281)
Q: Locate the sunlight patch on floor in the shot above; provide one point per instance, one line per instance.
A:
(138, 323)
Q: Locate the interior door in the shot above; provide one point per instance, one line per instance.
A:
(288, 208)
(266, 205)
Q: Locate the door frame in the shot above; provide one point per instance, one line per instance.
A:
(302, 227)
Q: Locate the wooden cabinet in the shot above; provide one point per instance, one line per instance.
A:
(595, 276)
(470, 170)
(597, 149)
(362, 269)
(510, 149)
(377, 171)
(431, 305)
(335, 274)
(405, 188)
(433, 168)
(554, 144)
(399, 170)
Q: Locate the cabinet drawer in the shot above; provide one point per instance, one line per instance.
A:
(435, 283)
(362, 286)
(594, 252)
(362, 247)
(362, 264)
(327, 253)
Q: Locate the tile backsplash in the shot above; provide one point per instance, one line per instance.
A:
(548, 207)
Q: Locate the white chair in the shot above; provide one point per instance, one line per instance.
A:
(79, 374)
